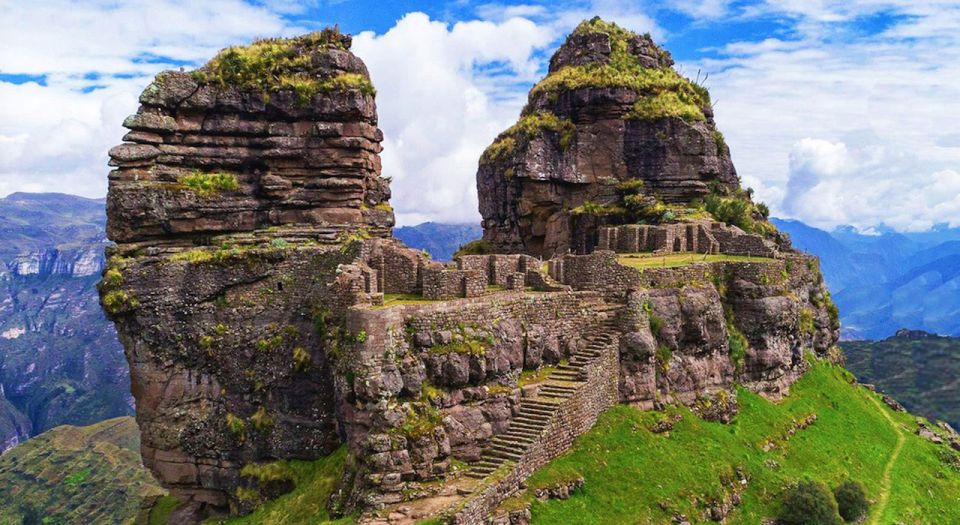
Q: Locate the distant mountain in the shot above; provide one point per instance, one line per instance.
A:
(73, 474)
(440, 240)
(919, 369)
(60, 361)
(888, 280)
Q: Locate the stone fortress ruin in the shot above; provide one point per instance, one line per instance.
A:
(267, 314)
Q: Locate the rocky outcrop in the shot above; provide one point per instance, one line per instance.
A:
(253, 141)
(240, 190)
(267, 315)
(610, 110)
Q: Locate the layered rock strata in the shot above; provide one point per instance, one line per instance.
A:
(611, 109)
(233, 203)
(210, 153)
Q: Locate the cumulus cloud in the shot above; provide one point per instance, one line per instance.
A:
(853, 130)
(829, 122)
(864, 186)
(86, 64)
(444, 93)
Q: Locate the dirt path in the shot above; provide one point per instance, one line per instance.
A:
(881, 504)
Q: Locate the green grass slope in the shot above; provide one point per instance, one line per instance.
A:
(314, 482)
(73, 475)
(635, 476)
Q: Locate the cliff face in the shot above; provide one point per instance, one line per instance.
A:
(611, 109)
(267, 159)
(276, 134)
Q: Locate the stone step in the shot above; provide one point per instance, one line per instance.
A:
(537, 412)
(531, 428)
(558, 388)
(526, 439)
(510, 442)
(558, 394)
(535, 403)
(505, 454)
(532, 419)
(566, 388)
(531, 433)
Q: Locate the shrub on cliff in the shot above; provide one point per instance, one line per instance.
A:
(851, 500)
(809, 503)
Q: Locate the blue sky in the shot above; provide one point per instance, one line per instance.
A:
(837, 112)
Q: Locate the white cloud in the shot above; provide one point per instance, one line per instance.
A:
(882, 108)
(438, 111)
(832, 184)
(94, 58)
(828, 124)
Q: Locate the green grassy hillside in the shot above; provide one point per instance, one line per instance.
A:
(633, 475)
(71, 475)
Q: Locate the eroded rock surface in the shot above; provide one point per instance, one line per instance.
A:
(233, 205)
(611, 109)
(210, 153)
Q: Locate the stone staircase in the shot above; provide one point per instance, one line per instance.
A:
(536, 413)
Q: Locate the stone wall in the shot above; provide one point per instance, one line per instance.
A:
(596, 271)
(444, 282)
(399, 267)
(696, 237)
(664, 238)
(577, 415)
(455, 362)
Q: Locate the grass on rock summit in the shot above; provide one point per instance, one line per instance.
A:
(664, 92)
(275, 64)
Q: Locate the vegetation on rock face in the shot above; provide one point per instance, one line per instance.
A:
(737, 209)
(275, 64)
(526, 129)
(634, 475)
(664, 92)
(598, 210)
(476, 247)
(314, 482)
(73, 474)
(207, 185)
